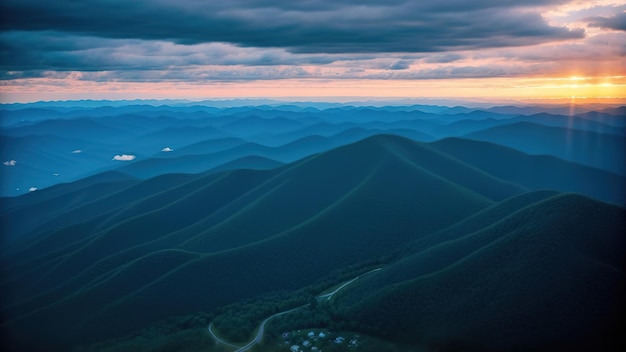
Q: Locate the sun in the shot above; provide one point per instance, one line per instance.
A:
(576, 81)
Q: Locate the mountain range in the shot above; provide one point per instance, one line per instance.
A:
(515, 227)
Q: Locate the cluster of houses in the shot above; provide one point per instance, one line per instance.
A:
(312, 341)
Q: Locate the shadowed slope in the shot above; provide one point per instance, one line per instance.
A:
(252, 162)
(549, 276)
(375, 165)
(536, 171)
(205, 147)
(589, 148)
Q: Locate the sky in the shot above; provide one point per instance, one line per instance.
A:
(329, 49)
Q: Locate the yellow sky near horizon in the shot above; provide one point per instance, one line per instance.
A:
(547, 89)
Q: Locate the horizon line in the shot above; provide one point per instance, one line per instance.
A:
(342, 100)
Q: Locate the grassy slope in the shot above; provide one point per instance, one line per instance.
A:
(547, 276)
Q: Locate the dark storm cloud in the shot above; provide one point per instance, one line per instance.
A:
(313, 26)
(56, 51)
(617, 22)
(40, 51)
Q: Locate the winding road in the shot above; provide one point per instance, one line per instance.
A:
(261, 330)
(330, 295)
(259, 335)
(218, 340)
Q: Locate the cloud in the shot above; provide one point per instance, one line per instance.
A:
(617, 22)
(10, 163)
(28, 51)
(32, 189)
(445, 58)
(605, 47)
(124, 157)
(167, 149)
(453, 71)
(316, 26)
(401, 65)
(77, 151)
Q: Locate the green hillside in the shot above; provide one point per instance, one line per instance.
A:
(549, 276)
(214, 239)
(104, 260)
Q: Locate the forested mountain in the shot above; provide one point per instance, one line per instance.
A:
(515, 226)
(530, 268)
